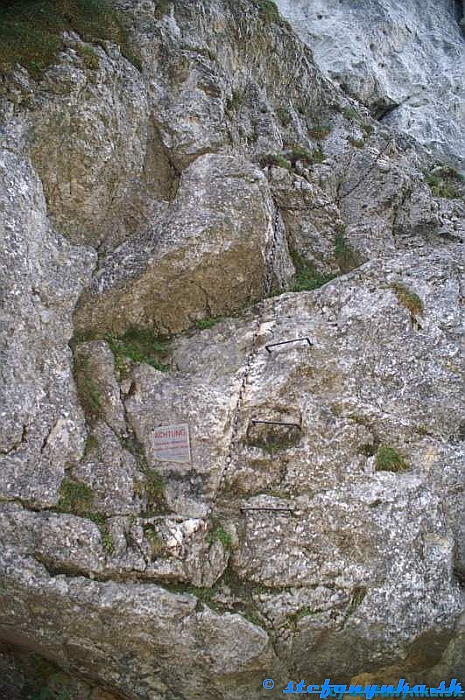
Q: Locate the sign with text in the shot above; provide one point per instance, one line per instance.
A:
(171, 443)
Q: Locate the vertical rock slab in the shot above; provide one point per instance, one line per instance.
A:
(42, 275)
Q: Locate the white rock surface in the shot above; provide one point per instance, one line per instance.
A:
(409, 56)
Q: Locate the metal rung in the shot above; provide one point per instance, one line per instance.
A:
(275, 422)
(286, 342)
(273, 510)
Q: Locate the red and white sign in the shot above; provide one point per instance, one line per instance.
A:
(171, 443)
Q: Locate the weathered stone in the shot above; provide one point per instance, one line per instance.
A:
(42, 275)
(94, 361)
(222, 219)
(111, 472)
(330, 546)
(144, 625)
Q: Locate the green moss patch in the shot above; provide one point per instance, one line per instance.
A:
(203, 323)
(269, 11)
(276, 160)
(217, 534)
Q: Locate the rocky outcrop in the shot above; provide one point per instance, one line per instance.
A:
(151, 221)
(210, 255)
(403, 61)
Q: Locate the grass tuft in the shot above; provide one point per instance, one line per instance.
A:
(307, 277)
(356, 143)
(351, 114)
(162, 7)
(387, 459)
(105, 535)
(298, 153)
(276, 160)
(220, 535)
(75, 497)
(203, 323)
(88, 55)
(284, 116)
(347, 258)
(154, 540)
(91, 444)
(139, 345)
(31, 31)
(78, 498)
(319, 131)
(269, 11)
(446, 182)
(87, 389)
(408, 299)
(152, 486)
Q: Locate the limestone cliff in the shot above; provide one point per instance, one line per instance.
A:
(404, 61)
(176, 205)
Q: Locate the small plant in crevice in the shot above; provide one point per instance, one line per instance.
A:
(367, 128)
(302, 613)
(307, 277)
(356, 143)
(75, 497)
(89, 56)
(445, 181)
(218, 534)
(204, 323)
(387, 459)
(268, 10)
(276, 160)
(299, 154)
(87, 389)
(319, 131)
(91, 444)
(350, 113)
(409, 300)
(151, 486)
(358, 596)
(139, 345)
(346, 257)
(162, 8)
(235, 101)
(274, 446)
(154, 540)
(284, 116)
(102, 523)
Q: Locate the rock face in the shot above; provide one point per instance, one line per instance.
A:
(211, 254)
(404, 61)
(151, 221)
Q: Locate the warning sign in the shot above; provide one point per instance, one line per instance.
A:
(171, 443)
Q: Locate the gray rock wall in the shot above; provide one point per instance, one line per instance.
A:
(183, 200)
